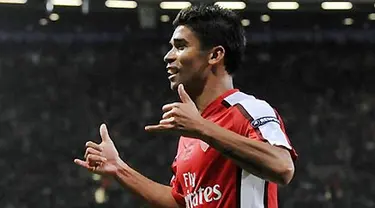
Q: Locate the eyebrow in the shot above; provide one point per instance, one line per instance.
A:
(179, 40)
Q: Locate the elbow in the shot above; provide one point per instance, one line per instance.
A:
(286, 175)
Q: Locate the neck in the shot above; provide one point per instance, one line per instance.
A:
(215, 86)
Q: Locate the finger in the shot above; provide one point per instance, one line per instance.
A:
(90, 150)
(82, 163)
(170, 113)
(94, 159)
(104, 133)
(185, 98)
(158, 128)
(168, 121)
(94, 145)
(170, 106)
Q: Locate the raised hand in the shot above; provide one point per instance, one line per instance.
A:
(181, 117)
(101, 158)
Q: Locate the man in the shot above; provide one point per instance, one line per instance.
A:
(233, 150)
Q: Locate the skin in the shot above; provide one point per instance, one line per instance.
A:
(196, 68)
(188, 64)
(185, 60)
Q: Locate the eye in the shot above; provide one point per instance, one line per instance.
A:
(180, 47)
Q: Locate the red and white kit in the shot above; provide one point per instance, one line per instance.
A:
(205, 178)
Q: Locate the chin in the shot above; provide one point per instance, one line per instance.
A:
(174, 86)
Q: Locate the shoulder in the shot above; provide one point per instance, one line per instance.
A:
(251, 107)
(264, 123)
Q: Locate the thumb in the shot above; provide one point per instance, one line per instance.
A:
(104, 133)
(185, 98)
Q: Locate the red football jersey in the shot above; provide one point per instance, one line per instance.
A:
(203, 177)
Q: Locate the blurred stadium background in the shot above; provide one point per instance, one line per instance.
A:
(65, 69)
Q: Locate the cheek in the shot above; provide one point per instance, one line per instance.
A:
(186, 60)
(190, 63)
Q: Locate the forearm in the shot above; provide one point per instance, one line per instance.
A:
(157, 195)
(259, 158)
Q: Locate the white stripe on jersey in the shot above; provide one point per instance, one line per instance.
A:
(252, 191)
(253, 187)
(271, 131)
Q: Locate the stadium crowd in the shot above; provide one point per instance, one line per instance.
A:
(54, 96)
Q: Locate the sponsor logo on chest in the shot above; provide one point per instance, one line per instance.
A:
(201, 195)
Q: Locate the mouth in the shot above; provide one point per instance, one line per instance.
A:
(172, 76)
(172, 71)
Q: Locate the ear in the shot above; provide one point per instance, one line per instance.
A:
(216, 55)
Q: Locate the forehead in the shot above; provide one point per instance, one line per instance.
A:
(184, 32)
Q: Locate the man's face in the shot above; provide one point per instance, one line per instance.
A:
(186, 62)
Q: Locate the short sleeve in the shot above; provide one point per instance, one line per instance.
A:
(259, 121)
(177, 192)
(266, 125)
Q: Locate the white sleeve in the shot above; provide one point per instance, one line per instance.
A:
(265, 119)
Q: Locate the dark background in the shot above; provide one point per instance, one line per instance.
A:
(60, 81)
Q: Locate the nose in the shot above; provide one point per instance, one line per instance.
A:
(170, 57)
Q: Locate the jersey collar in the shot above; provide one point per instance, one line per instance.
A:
(217, 103)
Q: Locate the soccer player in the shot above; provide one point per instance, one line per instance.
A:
(233, 150)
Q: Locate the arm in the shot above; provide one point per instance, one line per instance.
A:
(260, 158)
(156, 194)
(104, 159)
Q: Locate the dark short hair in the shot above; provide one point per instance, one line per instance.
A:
(216, 26)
